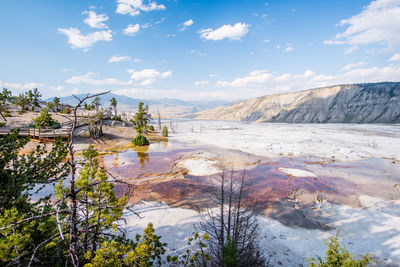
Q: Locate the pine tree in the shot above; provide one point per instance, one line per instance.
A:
(141, 118)
(26, 223)
(45, 119)
(56, 102)
(22, 101)
(114, 105)
(337, 256)
(164, 131)
(96, 103)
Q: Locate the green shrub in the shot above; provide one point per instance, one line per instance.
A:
(151, 128)
(45, 119)
(6, 113)
(140, 140)
(337, 256)
(66, 111)
(117, 118)
(20, 112)
(2, 123)
(164, 131)
(229, 254)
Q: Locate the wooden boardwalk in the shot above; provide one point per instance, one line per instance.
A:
(48, 135)
(42, 135)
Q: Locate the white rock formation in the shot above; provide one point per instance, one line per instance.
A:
(354, 103)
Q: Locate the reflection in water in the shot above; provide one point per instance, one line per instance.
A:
(165, 143)
(116, 162)
(143, 157)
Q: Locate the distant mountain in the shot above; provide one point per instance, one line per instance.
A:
(167, 106)
(351, 103)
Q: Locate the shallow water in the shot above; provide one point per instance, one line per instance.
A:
(340, 182)
(335, 181)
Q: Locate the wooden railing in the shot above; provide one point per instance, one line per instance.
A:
(49, 135)
(42, 135)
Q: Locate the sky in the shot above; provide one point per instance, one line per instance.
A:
(198, 49)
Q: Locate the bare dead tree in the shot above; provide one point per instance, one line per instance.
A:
(159, 120)
(173, 126)
(232, 224)
(73, 230)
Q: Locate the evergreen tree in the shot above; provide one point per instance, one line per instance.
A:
(33, 97)
(6, 95)
(96, 103)
(56, 102)
(19, 174)
(140, 140)
(141, 118)
(164, 131)
(100, 210)
(22, 101)
(25, 223)
(45, 119)
(114, 105)
(337, 256)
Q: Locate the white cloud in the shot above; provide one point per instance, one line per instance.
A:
(146, 25)
(9, 85)
(234, 32)
(377, 23)
(45, 90)
(77, 40)
(353, 65)
(137, 60)
(88, 78)
(134, 7)
(213, 75)
(333, 42)
(131, 29)
(188, 23)
(266, 41)
(67, 70)
(262, 82)
(31, 85)
(200, 82)
(350, 50)
(257, 77)
(94, 20)
(118, 58)
(58, 88)
(149, 93)
(198, 53)
(395, 57)
(148, 76)
(288, 49)
(160, 20)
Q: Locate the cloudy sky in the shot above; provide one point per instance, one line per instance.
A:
(198, 49)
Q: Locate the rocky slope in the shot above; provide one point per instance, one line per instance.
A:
(353, 103)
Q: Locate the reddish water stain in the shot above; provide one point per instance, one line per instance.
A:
(181, 191)
(132, 164)
(268, 185)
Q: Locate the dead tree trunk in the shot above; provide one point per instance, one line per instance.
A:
(233, 229)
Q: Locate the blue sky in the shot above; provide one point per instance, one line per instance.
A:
(196, 49)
